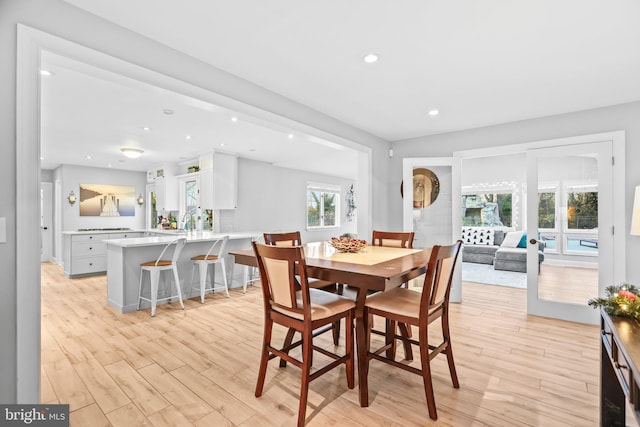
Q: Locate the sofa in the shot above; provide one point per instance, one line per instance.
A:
(486, 245)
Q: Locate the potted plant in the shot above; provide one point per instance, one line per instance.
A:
(193, 168)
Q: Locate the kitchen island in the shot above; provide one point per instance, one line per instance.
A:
(124, 257)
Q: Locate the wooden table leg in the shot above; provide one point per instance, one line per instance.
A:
(363, 347)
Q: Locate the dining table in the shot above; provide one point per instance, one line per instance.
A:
(372, 269)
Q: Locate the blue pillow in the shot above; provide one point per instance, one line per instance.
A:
(523, 241)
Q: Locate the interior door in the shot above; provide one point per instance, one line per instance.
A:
(431, 199)
(569, 208)
(46, 214)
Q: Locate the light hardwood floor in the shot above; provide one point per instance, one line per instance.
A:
(198, 366)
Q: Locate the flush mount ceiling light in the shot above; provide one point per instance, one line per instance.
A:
(434, 112)
(132, 153)
(370, 58)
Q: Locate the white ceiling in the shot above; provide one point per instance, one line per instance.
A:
(89, 114)
(478, 62)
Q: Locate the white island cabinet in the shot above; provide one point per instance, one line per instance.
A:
(124, 257)
(85, 252)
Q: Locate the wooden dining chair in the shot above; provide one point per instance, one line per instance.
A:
(419, 309)
(395, 239)
(293, 238)
(289, 301)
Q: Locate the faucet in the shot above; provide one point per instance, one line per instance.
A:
(188, 225)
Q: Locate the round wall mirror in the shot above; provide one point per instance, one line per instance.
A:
(426, 187)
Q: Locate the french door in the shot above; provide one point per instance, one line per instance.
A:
(431, 201)
(569, 209)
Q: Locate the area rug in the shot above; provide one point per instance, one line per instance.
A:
(484, 273)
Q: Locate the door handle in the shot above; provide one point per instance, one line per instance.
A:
(45, 228)
(533, 241)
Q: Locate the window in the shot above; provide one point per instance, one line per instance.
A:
(191, 196)
(547, 210)
(487, 210)
(323, 206)
(582, 210)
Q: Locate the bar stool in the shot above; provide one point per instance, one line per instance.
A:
(158, 266)
(202, 262)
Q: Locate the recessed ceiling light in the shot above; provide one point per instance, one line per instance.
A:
(147, 128)
(370, 58)
(88, 157)
(222, 144)
(434, 112)
(188, 137)
(108, 166)
(234, 119)
(252, 149)
(290, 136)
(41, 158)
(168, 111)
(132, 153)
(47, 73)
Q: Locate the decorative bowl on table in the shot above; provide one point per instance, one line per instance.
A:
(347, 244)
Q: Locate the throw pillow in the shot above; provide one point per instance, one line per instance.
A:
(512, 239)
(523, 241)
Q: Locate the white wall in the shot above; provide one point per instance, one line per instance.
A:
(620, 117)
(273, 199)
(71, 178)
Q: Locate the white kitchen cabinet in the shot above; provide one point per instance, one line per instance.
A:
(218, 181)
(86, 253)
(167, 193)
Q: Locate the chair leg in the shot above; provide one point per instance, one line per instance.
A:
(349, 348)
(307, 351)
(224, 277)
(390, 338)
(287, 342)
(154, 278)
(405, 332)
(336, 332)
(140, 293)
(193, 273)
(264, 358)
(449, 352)
(426, 376)
(178, 286)
(202, 271)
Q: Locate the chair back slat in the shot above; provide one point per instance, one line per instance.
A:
(222, 242)
(283, 272)
(437, 282)
(397, 239)
(278, 272)
(283, 239)
(179, 244)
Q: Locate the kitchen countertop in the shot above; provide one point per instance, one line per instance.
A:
(194, 236)
(106, 230)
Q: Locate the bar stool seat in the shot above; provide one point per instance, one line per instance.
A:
(158, 266)
(201, 263)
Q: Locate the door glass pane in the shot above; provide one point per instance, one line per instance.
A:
(547, 210)
(568, 228)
